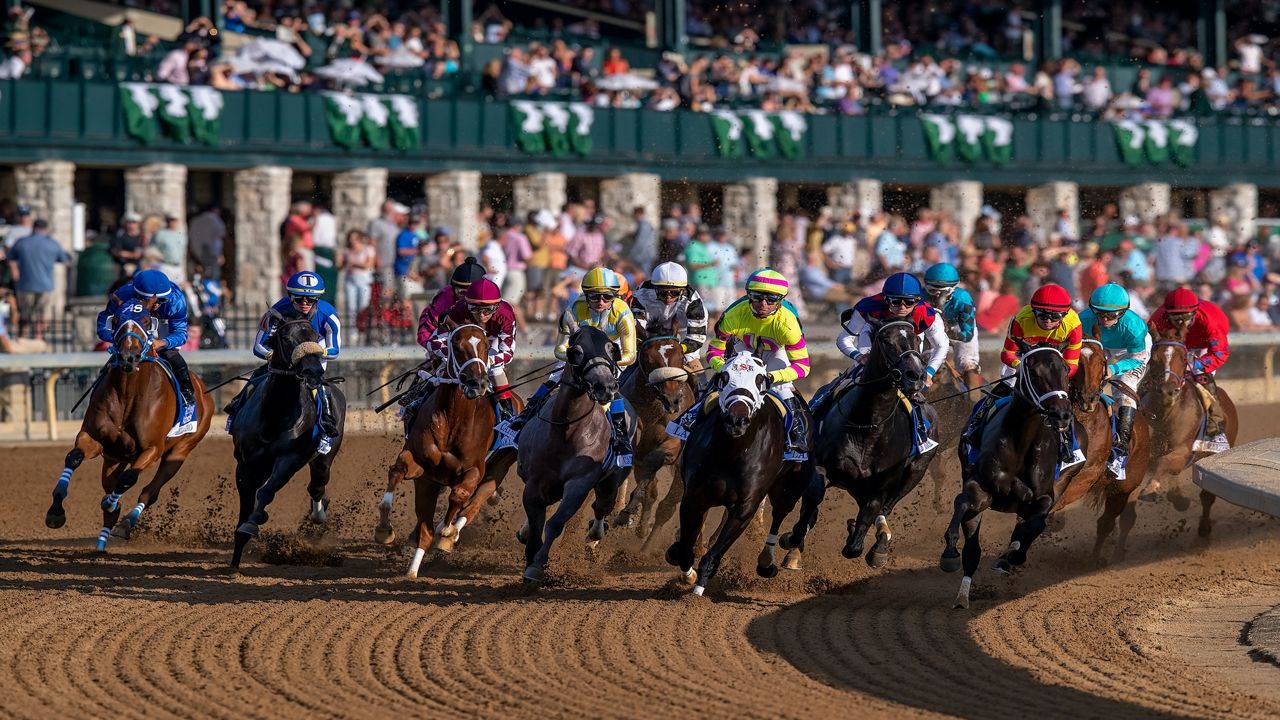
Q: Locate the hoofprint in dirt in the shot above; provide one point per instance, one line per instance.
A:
(164, 618)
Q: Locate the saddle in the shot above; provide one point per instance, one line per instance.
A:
(185, 421)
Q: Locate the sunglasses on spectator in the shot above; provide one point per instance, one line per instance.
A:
(903, 301)
(1049, 315)
(600, 297)
(482, 309)
(669, 293)
(765, 298)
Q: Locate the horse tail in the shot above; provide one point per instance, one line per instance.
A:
(1101, 490)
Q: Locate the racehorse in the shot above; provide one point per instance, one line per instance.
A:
(1094, 432)
(564, 451)
(733, 458)
(952, 399)
(660, 391)
(128, 420)
(275, 432)
(1017, 463)
(447, 444)
(865, 440)
(1172, 405)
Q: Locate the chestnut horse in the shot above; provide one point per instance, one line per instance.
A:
(1171, 404)
(447, 444)
(1094, 432)
(127, 422)
(660, 391)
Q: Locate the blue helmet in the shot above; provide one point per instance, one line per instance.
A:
(899, 285)
(151, 284)
(306, 284)
(942, 275)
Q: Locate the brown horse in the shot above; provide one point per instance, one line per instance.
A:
(1172, 404)
(1093, 430)
(128, 420)
(447, 445)
(660, 390)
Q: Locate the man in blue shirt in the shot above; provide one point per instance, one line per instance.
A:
(163, 300)
(406, 251)
(31, 263)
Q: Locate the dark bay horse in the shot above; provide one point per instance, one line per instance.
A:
(1017, 462)
(447, 445)
(564, 451)
(952, 399)
(127, 422)
(733, 459)
(1172, 405)
(1094, 432)
(865, 439)
(660, 390)
(275, 431)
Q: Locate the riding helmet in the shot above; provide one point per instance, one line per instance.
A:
(942, 275)
(151, 283)
(669, 274)
(467, 273)
(601, 279)
(1109, 298)
(306, 284)
(1181, 300)
(1051, 297)
(768, 280)
(483, 292)
(902, 285)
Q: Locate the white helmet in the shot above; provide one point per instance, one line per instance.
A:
(669, 274)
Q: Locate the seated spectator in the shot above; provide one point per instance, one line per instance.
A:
(615, 64)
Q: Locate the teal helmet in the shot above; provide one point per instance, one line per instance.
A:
(1109, 298)
(942, 275)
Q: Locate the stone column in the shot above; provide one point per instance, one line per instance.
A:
(157, 189)
(49, 187)
(1044, 202)
(453, 199)
(539, 191)
(621, 195)
(751, 215)
(262, 204)
(357, 198)
(851, 198)
(1147, 201)
(962, 200)
(1239, 202)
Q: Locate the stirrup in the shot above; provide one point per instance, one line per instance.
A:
(1116, 466)
(1077, 457)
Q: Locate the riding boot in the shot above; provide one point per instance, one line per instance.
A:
(1215, 428)
(181, 373)
(621, 440)
(515, 424)
(924, 443)
(506, 407)
(1068, 455)
(1124, 436)
(328, 422)
(798, 437)
(978, 418)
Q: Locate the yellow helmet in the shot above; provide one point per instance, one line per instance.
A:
(601, 280)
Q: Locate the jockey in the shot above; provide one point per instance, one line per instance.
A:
(769, 326)
(666, 298)
(444, 301)
(301, 301)
(485, 307)
(163, 300)
(600, 307)
(959, 314)
(1206, 327)
(1047, 320)
(1127, 345)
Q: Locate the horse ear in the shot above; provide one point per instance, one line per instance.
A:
(448, 323)
(576, 354)
(275, 315)
(675, 326)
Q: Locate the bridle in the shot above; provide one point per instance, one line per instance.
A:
(457, 368)
(275, 335)
(751, 397)
(895, 373)
(1179, 378)
(125, 330)
(1024, 388)
(1103, 351)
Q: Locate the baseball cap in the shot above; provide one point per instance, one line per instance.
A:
(170, 216)
(400, 209)
(24, 209)
(40, 224)
(442, 230)
(132, 217)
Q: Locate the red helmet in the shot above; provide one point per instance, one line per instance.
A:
(483, 292)
(1051, 297)
(1180, 300)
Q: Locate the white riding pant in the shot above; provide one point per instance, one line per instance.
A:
(965, 354)
(778, 360)
(1130, 380)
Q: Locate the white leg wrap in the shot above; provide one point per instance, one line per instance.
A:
(416, 562)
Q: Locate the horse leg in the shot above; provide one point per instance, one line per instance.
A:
(111, 472)
(404, 467)
(86, 448)
(950, 561)
(321, 466)
(646, 475)
(736, 519)
(1128, 518)
(483, 493)
(1206, 502)
(246, 486)
(810, 500)
(1024, 533)
(782, 503)
(281, 471)
(425, 495)
(972, 525)
(693, 515)
(575, 493)
(149, 495)
(858, 528)
(460, 496)
(535, 511)
(607, 492)
(667, 507)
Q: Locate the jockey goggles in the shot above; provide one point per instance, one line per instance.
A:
(669, 293)
(482, 309)
(902, 300)
(299, 299)
(600, 296)
(1048, 315)
(766, 298)
(1109, 315)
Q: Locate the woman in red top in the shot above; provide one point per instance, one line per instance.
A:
(615, 64)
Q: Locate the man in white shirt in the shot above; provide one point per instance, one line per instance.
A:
(840, 250)
(1097, 90)
(173, 69)
(542, 68)
(1250, 54)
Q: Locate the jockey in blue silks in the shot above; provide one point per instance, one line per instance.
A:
(163, 300)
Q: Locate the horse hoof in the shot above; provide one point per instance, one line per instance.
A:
(962, 601)
(384, 534)
(319, 511)
(247, 529)
(494, 499)
(792, 560)
(949, 563)
(1180, 502)
(1205, 529)
(533, 574)
(596, 530)
(767, 571)
(784, 541)
(876, 559)
(56, 517)
(122, 531)
(689, 576)
(1002, 567)
(699, 590)
(444, 544)
(110, 505)
(851, 551)
(624, 519)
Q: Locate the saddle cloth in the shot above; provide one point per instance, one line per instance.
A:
(185, 421)
(679, 428)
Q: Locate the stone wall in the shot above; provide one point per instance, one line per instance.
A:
(262, 204)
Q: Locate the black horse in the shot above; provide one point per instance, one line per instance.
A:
(733, 459)
(866, 440)
(1017, 464)
(275, 431)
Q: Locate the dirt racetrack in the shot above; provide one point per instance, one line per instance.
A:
(328, 627)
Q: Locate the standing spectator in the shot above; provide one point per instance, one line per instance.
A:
(1097, 90)
(514, 78)
(1173, 258)
(615, 64)
(1094, 274)
(1129, 259)
(31, 264)
(1250, 54)
(518, 251)
(726, 257)
(171, 244)
(643, 250)
(839, 252)
(890, 251)
(126, 245)
(383, 232)
(586, 249)
(173, 69)
(406, 252)
(207, 238)
(324, 241)
(357, 263)
(298, 224)
(22, 229)
(491, 256)
(1065, 86)
(701, 263)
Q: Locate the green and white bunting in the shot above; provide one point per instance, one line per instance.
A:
(557, 128)
(1156, 142)
(378, 121)
(767, 134)
(184, 113)
(969, 137)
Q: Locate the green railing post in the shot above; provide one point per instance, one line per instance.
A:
(864, 18)
(1211, 31)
